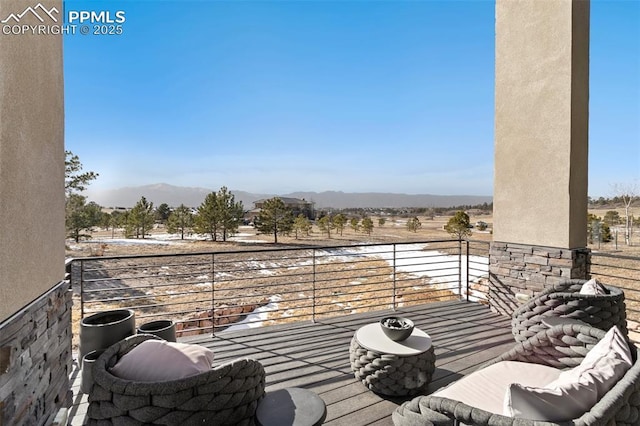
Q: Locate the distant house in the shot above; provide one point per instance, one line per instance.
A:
(298, 206)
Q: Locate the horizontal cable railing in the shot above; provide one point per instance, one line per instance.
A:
(213, 291)
(623, 272)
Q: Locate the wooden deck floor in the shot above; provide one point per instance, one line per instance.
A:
(315, 356)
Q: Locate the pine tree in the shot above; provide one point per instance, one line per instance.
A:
(140, 219)
(229, 213)
(207, 220)
(180, 221)
(74, 181)
(301, 225)
(162, 213)
(458, 226)
(81, 217)
(339, 221)
(413, 224)
(367, 225)
(274, 218)
(326, 225)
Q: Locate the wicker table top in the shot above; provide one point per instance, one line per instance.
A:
(373, 338)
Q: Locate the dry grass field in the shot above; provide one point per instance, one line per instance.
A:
(113, 243)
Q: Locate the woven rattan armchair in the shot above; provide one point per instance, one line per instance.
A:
(560, 347)
(227, 395)
(564, 300)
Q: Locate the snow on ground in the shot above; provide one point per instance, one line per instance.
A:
(415, 260)
(255, 318)
(412, 259)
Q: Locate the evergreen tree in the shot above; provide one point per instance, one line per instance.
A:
(74, 180)
(612, 217)
(140, 219)
(326, 225)
(80, 216)
(118, 219)
(367, 225)
(605, 233)
(162, 213)
(598, 229)
(180, 221)
(339, 221)
(381, 221)
(413, 224)
(458, 226)
(105, 220)
(207, 220)
(274, 218)
(355, 224)
(301, 225)
(230, 213)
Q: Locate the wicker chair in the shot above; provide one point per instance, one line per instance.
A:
(227, 395)
(560, 347)
(564, 300)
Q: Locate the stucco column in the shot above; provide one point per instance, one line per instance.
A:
(31, 161)
(541, 145)
(35, 304)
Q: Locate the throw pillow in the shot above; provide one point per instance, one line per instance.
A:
(593, 287)
(575, 391)
(159, 360)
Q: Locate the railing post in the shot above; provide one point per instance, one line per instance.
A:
(460, 268)
(81, 288)
(313, 283)
(393, 272)
(213, 293)
(468, 271)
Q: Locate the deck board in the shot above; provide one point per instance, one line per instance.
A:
(315, 356)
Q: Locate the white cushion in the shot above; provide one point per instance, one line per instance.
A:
(593, 287)
(159, 360)
(485, 388)
(575, 391)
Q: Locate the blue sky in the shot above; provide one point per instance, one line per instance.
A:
(357, 96)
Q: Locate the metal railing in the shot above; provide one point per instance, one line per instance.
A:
(211, 291)
(623, 272)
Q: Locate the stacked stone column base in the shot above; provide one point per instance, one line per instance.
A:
(35, 360)
(525, 269)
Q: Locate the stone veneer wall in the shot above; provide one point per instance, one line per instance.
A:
(35, 360)
(527, 269)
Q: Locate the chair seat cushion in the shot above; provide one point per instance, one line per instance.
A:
(575, 391)
(486, 388)
(159, 360)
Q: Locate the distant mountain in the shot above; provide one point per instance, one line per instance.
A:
(193, 197)
(339, 199)
(163, 193)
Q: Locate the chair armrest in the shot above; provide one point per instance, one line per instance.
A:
(562, 346)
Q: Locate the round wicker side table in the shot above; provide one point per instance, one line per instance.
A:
(392, 368)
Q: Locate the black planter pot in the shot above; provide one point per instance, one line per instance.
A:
(101, 330)
(87, 370)
(164, 329)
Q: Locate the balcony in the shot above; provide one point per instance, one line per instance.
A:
(296, 310)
